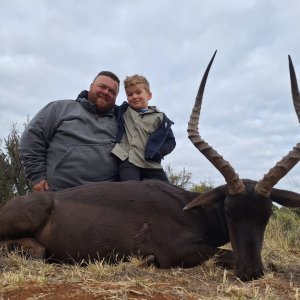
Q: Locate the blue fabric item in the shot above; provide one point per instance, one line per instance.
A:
(143, 110)
(160, 143)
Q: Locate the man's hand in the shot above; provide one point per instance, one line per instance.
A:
(41, 186)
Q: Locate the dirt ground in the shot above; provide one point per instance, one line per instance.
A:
(30, 279)
(63, 291)
(278, 287)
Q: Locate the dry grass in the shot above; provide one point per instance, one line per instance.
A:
(32, 279)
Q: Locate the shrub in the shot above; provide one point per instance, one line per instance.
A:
(12, 176)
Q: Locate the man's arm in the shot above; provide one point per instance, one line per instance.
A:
(34, 143)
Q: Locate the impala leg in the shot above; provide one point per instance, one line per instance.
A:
(26, 246)
(223, 257)
(23, 215)
(147, 261)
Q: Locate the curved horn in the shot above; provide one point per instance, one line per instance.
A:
(235, 185)
(294, 88)
(265, 185)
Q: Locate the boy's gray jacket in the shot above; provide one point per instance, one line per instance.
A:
(69, 144)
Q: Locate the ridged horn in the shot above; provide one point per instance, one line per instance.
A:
(294, 88)
(235, 185)
(282, 167)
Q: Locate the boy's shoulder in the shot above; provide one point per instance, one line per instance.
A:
(154, 109)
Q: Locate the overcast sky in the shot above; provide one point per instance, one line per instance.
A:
(52, 50)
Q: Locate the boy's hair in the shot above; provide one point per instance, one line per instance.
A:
(136, 79)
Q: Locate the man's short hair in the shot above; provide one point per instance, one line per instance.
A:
(109, 74)
(136, 79)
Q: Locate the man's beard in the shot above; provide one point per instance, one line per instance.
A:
(93, 98)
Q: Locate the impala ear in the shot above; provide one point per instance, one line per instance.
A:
(285, 198)
(208, 198)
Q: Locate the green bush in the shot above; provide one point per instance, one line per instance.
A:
(285, 224)
(202, 187)
(181, 179)
(12, 176)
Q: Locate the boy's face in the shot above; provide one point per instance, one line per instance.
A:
(138, 96)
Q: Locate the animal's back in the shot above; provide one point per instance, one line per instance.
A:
(127, 217)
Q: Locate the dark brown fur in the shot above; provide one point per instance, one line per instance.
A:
(113, 221)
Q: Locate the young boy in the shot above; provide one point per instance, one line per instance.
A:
(144, 134)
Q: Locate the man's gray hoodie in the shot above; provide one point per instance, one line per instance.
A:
(68, 143)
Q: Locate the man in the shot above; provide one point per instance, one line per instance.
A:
(68, 143)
